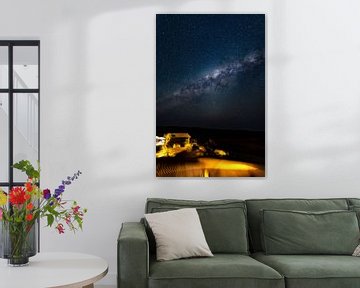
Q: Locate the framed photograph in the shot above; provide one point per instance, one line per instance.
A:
(210, 95)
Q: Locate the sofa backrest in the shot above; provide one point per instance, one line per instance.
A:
(223, 221)
(353, 202)
(256, 205)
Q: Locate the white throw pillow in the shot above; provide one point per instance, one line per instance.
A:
(357, 251)
(178, 234)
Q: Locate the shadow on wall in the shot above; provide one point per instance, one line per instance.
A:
(67, 76)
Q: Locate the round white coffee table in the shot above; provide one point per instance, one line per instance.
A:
(60, 270)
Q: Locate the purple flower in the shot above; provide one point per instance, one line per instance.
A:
(46, 194)
(68, 181)
(58, 192)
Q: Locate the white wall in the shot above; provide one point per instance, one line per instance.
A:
(98, 105)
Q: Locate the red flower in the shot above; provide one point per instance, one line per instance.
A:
(17, 196)
(29, 186)
(68, 219)
(29, 217)
(75, 209)
(29, 206)
(60, 228)
(27, 196)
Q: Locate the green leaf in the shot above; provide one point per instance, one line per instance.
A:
(28, 168)
(50, 219)
(21, 165)
(79, 221)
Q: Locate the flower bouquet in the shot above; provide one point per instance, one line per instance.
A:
(21, 208)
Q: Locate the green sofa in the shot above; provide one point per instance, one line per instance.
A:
(235, 234)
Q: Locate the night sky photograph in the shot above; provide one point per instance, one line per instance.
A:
(210, 95)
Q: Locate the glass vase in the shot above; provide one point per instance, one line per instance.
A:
(18, 242)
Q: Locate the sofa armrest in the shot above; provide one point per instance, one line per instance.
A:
(133, 256)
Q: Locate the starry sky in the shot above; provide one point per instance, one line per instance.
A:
(210, 71)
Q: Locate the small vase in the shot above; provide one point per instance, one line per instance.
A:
(18, 242)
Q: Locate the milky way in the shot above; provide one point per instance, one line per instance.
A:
(218, 79)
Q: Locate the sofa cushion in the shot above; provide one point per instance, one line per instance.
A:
(356, 209)
(354, 205)
(297, 232)
(313, 271)
(254, 216)
(223, 221)
(222, 270)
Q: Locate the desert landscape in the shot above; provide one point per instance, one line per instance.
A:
(197, 152)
